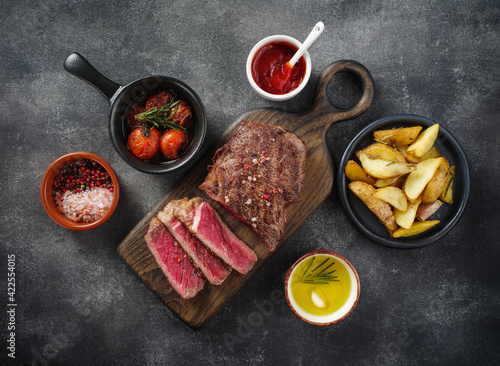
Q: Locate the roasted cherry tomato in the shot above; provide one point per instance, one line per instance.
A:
(144, 143)
(183, 115)
(159, 99)
(173, 143)
(130, 115)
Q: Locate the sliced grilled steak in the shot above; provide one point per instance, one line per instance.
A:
(210, 267)
(257, 175)
(202, 220)
(180, 272)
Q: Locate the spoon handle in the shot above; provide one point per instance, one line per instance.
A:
(316, 31)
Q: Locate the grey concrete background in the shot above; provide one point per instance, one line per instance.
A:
(79, 304)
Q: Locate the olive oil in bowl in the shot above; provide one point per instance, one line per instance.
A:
(322, 287)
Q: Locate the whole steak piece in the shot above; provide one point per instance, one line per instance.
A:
(257, 176)
(173, 261)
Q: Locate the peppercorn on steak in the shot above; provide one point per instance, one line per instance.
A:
(257, 176)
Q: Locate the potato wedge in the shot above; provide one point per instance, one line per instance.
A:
(417, 228)
(381, 209)
(353, 172)
(447, 194)
(426, 211)
(417, 180)
(424, 141)
(383, 169)
(402, 149)
(432, 153)
(398, 136)
(406, 218)
(384, 152)
(390, 182)
(393, 196)
(437, 184)
(385, 182)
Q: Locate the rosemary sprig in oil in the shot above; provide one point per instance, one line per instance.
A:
(319, 276)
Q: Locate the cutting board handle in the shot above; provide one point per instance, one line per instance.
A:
(322, 105)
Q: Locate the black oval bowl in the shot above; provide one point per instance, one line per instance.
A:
(140, 90)
(449, 215)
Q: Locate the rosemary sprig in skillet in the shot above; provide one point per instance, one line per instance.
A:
(160, 117)
(319, 276)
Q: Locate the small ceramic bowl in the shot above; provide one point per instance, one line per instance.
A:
(48, 199)
(449, 215)
(257, 88)
(337, 315)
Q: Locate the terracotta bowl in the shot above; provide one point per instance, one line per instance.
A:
(336, 316)
(48, 200)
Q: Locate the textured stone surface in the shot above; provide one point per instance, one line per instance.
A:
(79, 304)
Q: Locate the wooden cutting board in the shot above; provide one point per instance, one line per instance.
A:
(312, 126)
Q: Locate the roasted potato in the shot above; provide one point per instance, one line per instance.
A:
(417, 228)
(424, 141)
(402, 149)
(383, 169)
(381, 209)
(392, 182)
(353, 172)
(437, 184)
(406, 218)
(393, 196)
(447, 194)
(398, 136)
(384, 152)
(418, 179)
(432, 153)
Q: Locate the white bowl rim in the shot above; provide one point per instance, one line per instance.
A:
(337, 315)
(277, 97)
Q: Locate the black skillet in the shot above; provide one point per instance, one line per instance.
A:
(122, 96)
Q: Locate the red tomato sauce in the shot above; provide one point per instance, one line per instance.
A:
(267, 65)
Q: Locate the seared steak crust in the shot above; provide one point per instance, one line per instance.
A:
(257, 175)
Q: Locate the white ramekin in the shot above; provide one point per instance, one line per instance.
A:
(277, 97)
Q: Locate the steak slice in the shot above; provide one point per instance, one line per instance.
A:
(202, 220)
(180, 272)
(210, 267)
(257, 175)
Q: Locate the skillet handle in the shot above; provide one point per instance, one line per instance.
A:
(77, 65)
(322, 102)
